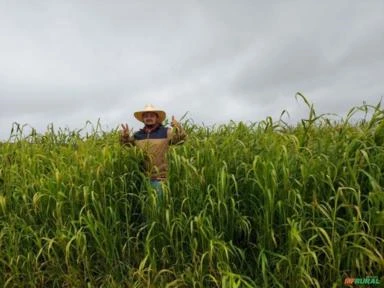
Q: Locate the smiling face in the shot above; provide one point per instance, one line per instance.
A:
(150, 118)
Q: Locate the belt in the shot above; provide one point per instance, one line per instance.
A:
(158, 179)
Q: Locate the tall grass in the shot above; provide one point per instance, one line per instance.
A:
(246, 205)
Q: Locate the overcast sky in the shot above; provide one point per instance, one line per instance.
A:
(66, 62)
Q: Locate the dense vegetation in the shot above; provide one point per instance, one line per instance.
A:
(247, 205)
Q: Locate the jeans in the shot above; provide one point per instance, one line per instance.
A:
(157, 186)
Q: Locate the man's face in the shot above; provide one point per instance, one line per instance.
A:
(150, 118)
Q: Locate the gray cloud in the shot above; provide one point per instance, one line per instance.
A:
(71, 61)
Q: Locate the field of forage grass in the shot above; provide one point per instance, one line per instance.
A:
(246, 205)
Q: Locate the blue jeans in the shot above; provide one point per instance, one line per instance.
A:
(157, 186)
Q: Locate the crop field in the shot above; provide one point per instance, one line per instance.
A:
(246, 205)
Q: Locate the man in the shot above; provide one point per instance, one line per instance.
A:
(154, 139)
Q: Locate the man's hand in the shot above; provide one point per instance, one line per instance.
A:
(174, 123)
(178, 134)
(125, 130)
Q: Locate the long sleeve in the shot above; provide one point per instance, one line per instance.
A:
(127, 140)
(176, 135)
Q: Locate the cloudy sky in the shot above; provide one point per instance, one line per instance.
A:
(69, 61)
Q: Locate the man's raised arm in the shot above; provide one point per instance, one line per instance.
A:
(125, 139)
(176, 134)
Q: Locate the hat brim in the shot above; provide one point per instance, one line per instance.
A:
(139, 115)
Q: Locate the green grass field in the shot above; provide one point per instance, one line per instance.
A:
(247, 205)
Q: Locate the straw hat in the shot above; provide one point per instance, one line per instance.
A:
(150, 108)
